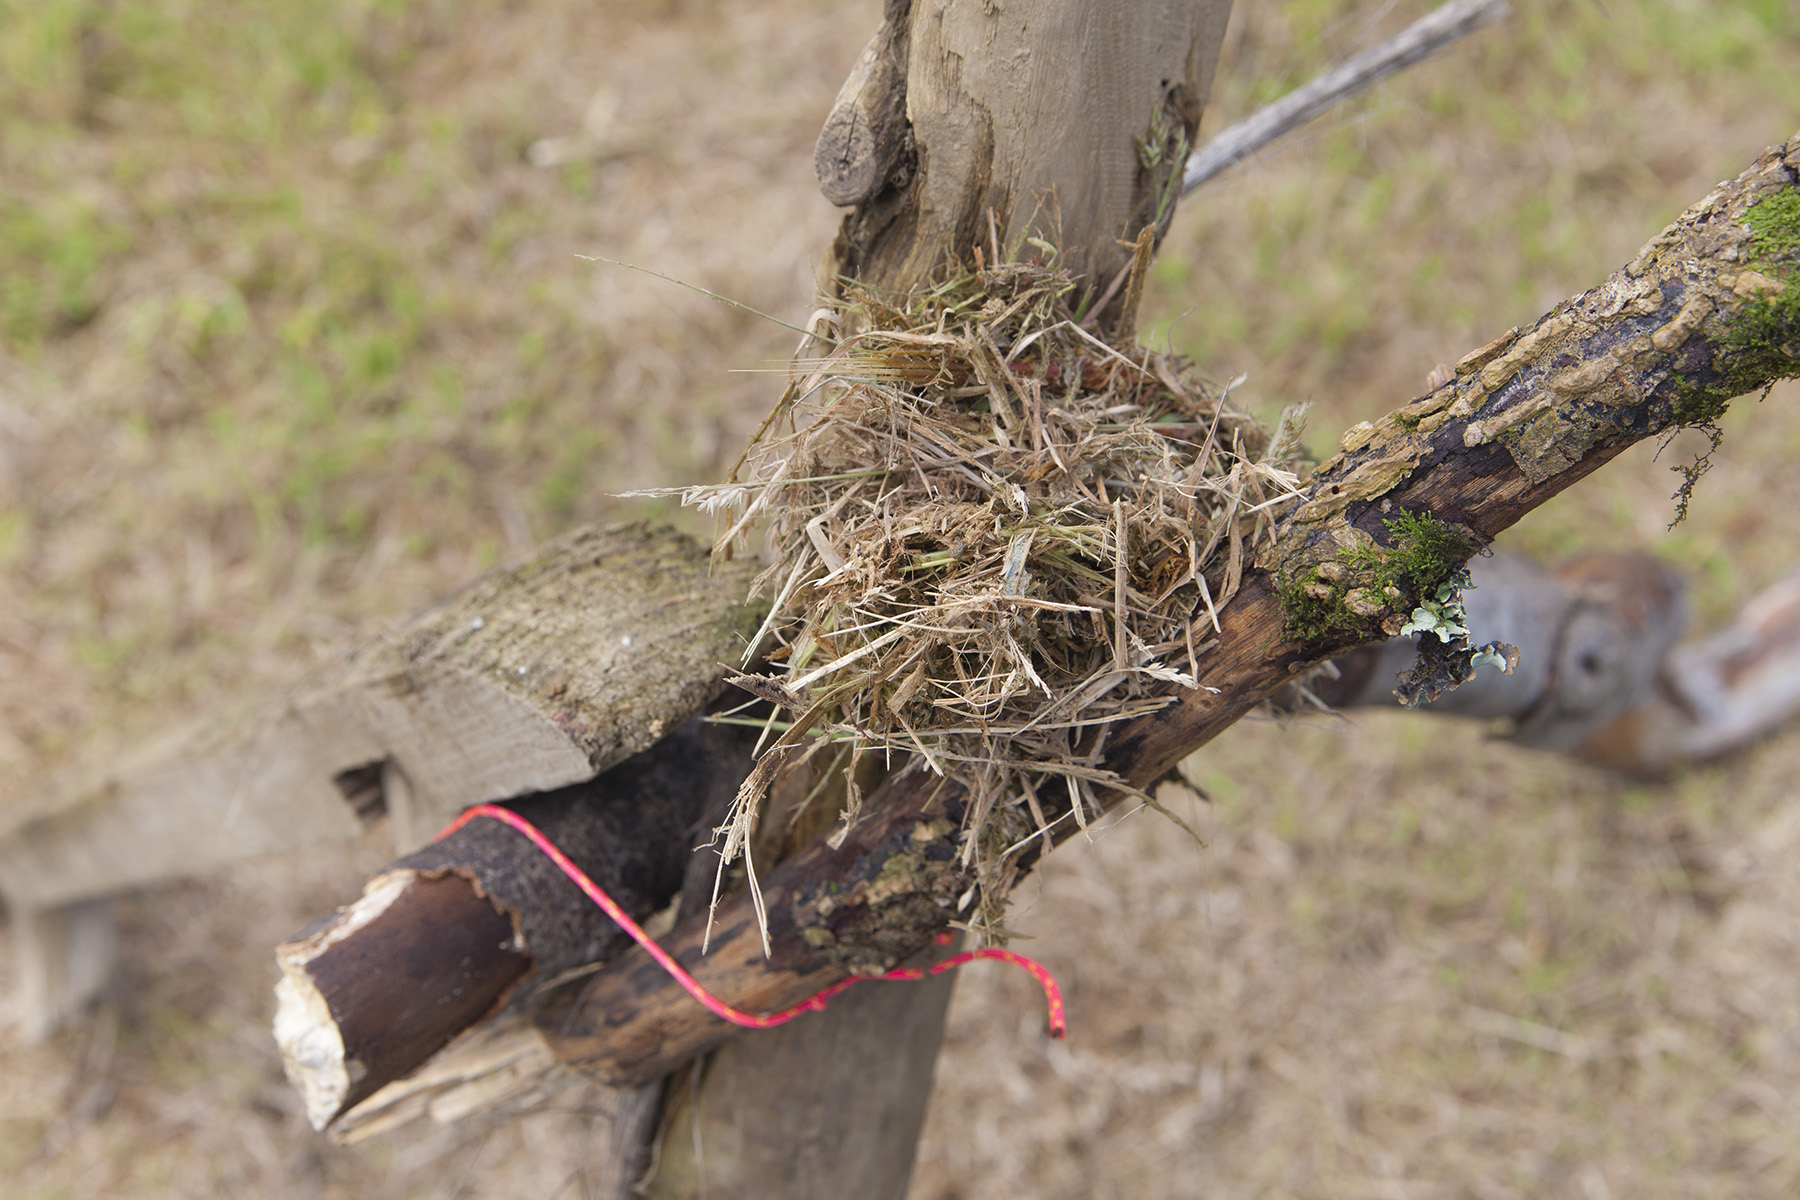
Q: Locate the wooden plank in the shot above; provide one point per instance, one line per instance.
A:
(845, 1088)
(536, 676)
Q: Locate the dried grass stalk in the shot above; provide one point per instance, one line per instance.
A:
(991, 535)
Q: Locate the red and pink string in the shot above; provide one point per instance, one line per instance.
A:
(815, 1003)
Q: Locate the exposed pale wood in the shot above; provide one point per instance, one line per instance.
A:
(1065, 119)
(503, 1064)
(64, 958)
(503, 1068)
(421, 958)
(534, 677)
(440, 938)
(1522, 420)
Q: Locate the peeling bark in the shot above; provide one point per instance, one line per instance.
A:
(442, 938)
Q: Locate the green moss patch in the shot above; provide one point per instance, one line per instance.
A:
(1349, 597)
(1764, 342)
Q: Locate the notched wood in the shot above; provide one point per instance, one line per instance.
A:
(866, 145)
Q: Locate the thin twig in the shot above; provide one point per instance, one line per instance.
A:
(1416, 42)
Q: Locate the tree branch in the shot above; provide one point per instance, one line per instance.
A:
(1433, 32)
(441, 938)
(1708, 310)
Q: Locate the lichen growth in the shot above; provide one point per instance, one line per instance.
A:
(1440, 614)
(1332, 601)
(1414, 585)
(1448, 657)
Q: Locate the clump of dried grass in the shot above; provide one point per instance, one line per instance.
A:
(992, 535)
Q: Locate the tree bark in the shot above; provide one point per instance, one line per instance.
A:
(1142, 75)
(1708, 310)
(442, 937)
(534, 677)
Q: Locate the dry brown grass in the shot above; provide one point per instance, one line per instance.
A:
(1411, 962)
(989, 532)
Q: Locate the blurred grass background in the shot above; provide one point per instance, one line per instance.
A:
(293, 338)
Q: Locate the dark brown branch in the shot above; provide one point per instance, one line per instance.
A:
(443, 936)
(1703, 314)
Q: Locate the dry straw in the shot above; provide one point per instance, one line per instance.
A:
(991, 536)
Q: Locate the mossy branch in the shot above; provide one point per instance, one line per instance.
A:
(1709, 310)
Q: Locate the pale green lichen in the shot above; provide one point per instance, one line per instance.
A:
(1329, 601)
(1449, 657)
(1424, 571)
(1441, 615)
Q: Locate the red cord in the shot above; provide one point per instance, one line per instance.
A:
(1052, 993)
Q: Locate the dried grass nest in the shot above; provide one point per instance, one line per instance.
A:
(991, 535)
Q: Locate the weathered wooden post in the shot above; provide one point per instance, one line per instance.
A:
(964, 126)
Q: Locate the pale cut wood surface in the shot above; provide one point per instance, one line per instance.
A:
(534, 677)
(502, 1065)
